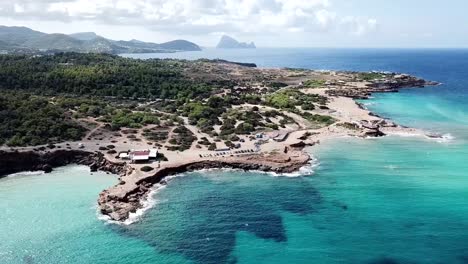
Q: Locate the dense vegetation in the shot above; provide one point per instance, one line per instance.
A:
(289, 99)
(319, 120)
(99, 75)
(32, 120)
(314, 83)
(47, 98)
(182, 139)
(370, 76)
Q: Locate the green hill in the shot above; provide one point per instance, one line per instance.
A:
(25, 40)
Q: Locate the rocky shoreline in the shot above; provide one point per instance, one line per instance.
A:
(382, 86)
(127, 196)
(18, 161)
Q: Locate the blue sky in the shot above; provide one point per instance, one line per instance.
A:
(270, 23)
(413, 23)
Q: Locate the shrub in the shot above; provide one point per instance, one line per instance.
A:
(229, 144)
(235, 138)
(244, 128)
(212, 146)
(307, 106)
(314, 83)
(147, 169)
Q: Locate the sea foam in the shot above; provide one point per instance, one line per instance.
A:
(27, 173)
(150, 201)
(306, 170)
(147, 203)
(446, 138)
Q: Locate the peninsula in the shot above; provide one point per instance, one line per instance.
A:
(145, 120)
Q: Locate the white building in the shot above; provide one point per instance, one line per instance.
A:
(153, 153)
(124, 156)
(140, 156)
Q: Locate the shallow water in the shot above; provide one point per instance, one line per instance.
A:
(390, 200)
(52, 218)
(368, 201)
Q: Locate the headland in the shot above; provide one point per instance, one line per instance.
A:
(242, 117)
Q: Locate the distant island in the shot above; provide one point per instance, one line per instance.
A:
(228, 42)
(22, 40)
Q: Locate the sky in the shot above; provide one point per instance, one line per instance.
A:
(269, 23)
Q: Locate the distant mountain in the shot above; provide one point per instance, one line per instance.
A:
(85, 36)
(18, 35)
(25, 40)
(53, 42)
(180, 44)
(4, 45)
(227, 42)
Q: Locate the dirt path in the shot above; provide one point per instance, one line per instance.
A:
(90, 133)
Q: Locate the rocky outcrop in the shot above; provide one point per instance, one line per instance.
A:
(391, 85)
(372, 133)
(373, 128)
(18, 161)
(126, 197)
(227, 42)
(243, 64)
(301, 144)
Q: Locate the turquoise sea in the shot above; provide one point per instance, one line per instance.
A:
(388, 200)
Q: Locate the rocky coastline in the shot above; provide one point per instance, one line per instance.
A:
(382, 86)
(18, 161)
(127, 196)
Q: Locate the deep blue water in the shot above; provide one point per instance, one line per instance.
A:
(389, 200)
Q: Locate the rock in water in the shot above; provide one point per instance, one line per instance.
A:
(227, 42)
(93, 167)
(47, 168)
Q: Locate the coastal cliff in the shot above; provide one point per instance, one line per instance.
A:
(18, 161)
(128, 195)
(392, 85)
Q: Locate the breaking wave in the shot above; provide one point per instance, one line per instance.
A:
(147, 203)
(27, 173)
(150, 201)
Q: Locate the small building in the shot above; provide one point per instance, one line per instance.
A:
(140, 156)
(259, 135)
(124, 156)
(153, 153)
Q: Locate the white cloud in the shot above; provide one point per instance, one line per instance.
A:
(196, 16)
(359, 26)
(18, 8)
(325, 18)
